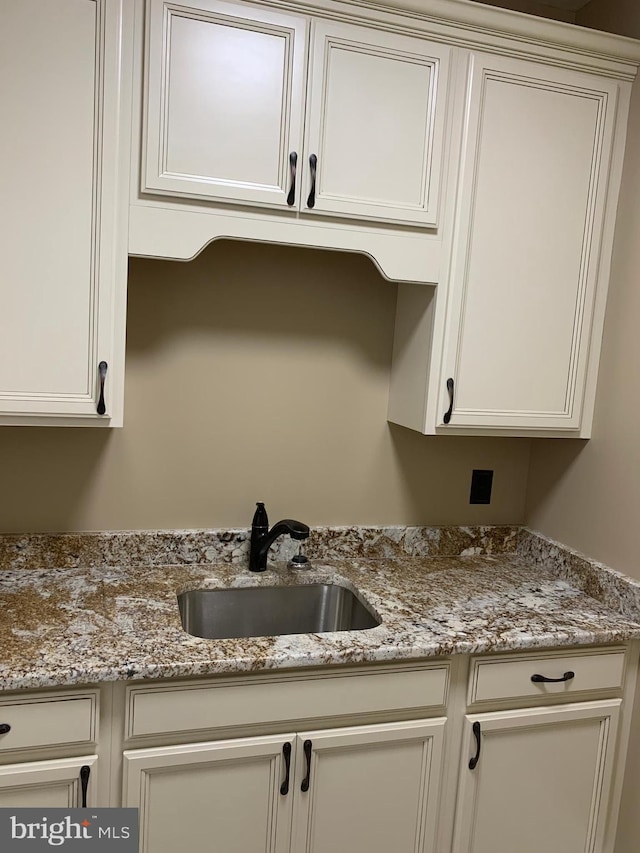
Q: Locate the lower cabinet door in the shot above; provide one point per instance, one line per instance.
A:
(223, 796)
(541, 781)
(368, 789)
(48, 784)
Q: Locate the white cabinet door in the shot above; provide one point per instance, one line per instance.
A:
(537, 154)
(47, 784)
(63, 223)
(541, 782)
(370, 788)
(224, 101)
(226, 794)
(375, 124)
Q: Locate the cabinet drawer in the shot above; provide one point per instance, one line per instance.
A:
(267, 700)
(48, 722)
(511, 678)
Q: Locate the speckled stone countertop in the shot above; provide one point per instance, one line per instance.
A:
(77, 610)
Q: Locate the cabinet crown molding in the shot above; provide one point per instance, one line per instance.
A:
(474, 25)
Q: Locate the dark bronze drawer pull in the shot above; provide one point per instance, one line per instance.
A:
(102, 373)
(85, 772)
(313, 166)
(473, 762)
(566, 677)
(447, 414)
(286, 751)
(307, 778)
(293, 164)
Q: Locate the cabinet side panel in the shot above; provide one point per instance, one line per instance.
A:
(411, 353)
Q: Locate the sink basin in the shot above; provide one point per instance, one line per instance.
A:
(265, 611)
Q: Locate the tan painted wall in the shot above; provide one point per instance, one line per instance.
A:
(587, 494)
(254, 373)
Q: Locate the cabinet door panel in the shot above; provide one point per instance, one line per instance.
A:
(47, 784)
(533, 186)
(372, 788)
(375, 122)
(542, 780)
(62, 284)
(226, 793)
(224, 101)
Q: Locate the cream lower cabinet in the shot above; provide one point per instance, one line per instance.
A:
(366, 788)
(541, 780)
(548, 776)
(371, 789)
(226, 794)
(49, 784)
(64, 166)
(309, 762)
(49, 749)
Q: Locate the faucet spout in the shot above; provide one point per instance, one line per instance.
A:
(262, 538)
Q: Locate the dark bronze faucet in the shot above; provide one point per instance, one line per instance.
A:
(262, 538)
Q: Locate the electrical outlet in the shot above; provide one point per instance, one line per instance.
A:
(481, 482)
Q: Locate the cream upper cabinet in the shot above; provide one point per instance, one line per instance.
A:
(225, 101)
(534, 178)
(226, 96)
(375, 124)
(358, 127)
(510, 344)
(63, 223)
(541, 780)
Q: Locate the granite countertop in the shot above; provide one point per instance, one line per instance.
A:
(77, 624)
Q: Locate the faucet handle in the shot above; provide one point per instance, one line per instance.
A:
(295, 529)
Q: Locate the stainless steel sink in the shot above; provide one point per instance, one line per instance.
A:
(266, 611)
